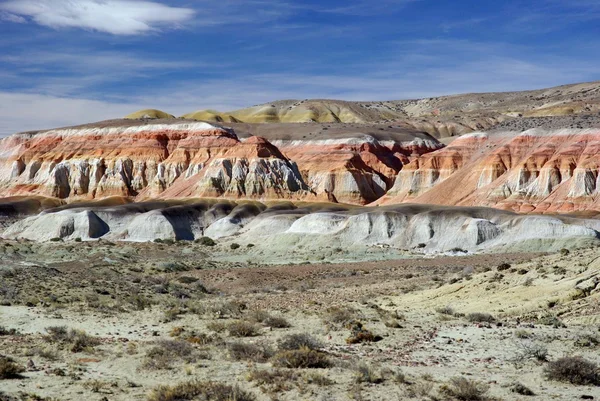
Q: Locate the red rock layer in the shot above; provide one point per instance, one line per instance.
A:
(174, 160)
(554, 171)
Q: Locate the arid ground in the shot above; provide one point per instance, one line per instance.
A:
(177, 321)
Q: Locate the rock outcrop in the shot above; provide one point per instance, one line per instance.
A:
(532, 171)
(284, 226)
(143, 161)
(164, 159)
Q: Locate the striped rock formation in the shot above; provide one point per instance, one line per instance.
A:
(533, 171)
(165, 159)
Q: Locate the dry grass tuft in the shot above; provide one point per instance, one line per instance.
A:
(575, 370)
(303, 358)
(197, 390)
(464, 389)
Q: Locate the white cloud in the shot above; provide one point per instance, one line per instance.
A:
(118, 17)
(4, 16)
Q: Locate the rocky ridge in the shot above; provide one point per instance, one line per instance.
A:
(183, 159)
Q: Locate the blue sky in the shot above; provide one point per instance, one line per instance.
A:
(72, 61)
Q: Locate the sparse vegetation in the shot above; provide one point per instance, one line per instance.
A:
(299, 341)
(197, 390)
(9, 369)
(464, 389)
(74, 340)
(479, 317)
(206, 241)
(166, 352)
(240, 351)
(242, 328)
(575, 370)
(302, 358)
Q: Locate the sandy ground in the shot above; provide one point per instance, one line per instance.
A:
(415, 305)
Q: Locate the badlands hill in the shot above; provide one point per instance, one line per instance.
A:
(522, 163)
(441, 117)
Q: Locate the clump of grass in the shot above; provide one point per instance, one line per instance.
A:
(219, 310)
(340, 317)
(95, 386)
(523, 334)
(365, 373)
(74, 340)
(197, 390)
(303, 358)
(479, 317)
(298, 341)
(274, 381)
(446, 310)
(550, 320)
(9, 369)
(264, 317)
(465, 389)
(589, 340)
(166, 352)
(573, 369)
(242, 328)
(240, 351)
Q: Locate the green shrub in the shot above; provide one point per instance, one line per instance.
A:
(206, 241)
(234, 246)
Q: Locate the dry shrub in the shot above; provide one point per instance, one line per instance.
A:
(274, 381)
(277, 381)
(298, 341)
(303, 358)
(277, 322)
(264, 317)
(479, 317)
(465, 389)
(220, 309)
(74, 340)
(167, 352)
(249, 352)
(197, 390)
(242, 328)
(361, 335)
(365, 373)
(573, 369)
(9, 369)
(340, 317)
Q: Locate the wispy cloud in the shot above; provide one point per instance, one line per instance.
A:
(118, 17)
(364, 7)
